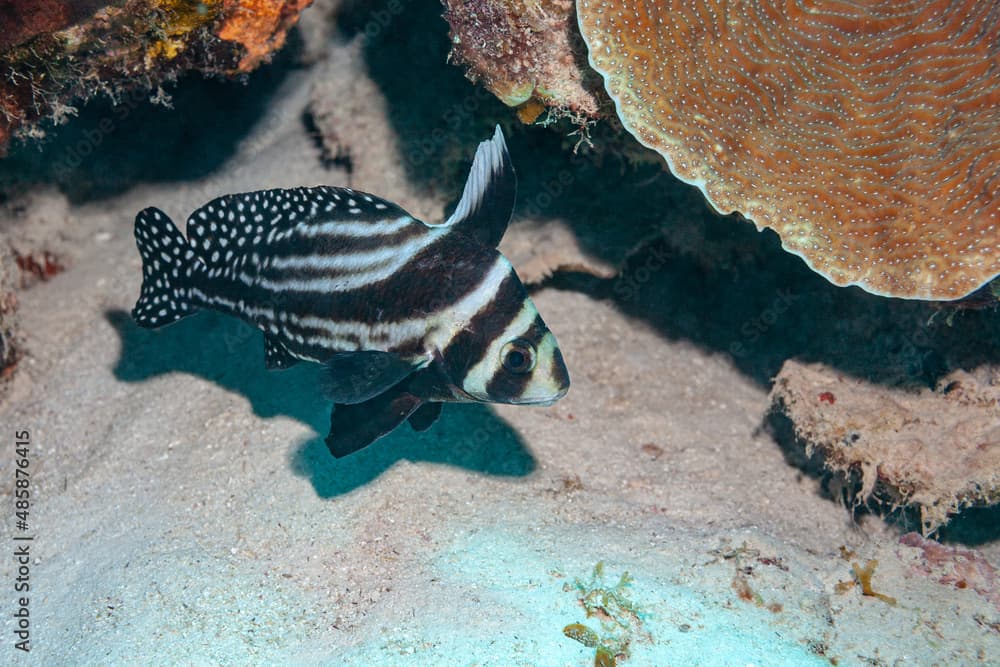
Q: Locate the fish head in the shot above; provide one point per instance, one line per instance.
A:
(509, 356)
(528, 370)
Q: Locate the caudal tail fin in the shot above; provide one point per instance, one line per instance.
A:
(168, 266)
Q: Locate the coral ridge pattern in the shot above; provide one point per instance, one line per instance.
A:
(867, 135)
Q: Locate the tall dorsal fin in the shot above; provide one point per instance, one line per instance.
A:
(488, 199)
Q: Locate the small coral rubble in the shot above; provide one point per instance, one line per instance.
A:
(936, 450)
(955, 566)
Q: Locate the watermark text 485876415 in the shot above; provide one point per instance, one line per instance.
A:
(22, 540)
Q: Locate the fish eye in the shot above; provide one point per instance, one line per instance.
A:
(518, 356)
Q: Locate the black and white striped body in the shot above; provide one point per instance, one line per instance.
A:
(314, 283)
(394, 306)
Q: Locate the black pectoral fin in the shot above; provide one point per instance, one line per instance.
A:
(354, 427)
(276, 355)
(355, 377)
(425, 416)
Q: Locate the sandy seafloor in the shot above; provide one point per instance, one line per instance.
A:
(186, 510)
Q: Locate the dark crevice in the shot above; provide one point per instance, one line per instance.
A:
(113, 145)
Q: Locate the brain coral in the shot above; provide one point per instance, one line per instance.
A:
(867, 134)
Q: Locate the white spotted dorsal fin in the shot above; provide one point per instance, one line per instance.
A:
(487, 202)
(228, 226)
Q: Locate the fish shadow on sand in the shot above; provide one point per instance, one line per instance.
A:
(230, 354)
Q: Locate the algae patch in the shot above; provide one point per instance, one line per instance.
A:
(863, 579)
(619, 618)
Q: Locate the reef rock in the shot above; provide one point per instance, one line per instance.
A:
(935, 450)
(528, 54)
(54, 53)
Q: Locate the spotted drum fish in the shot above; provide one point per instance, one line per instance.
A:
(404, 315)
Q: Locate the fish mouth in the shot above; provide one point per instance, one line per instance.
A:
(541, 401)
(463, 396)
(545, 401)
